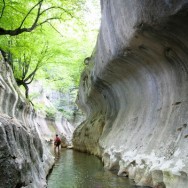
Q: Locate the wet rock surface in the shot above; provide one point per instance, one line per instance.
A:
(134, 91)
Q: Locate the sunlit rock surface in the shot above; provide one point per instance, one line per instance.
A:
(134, 91)
(48, 128)
(56, 124)
(24, 159)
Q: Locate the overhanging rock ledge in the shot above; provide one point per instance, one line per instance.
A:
(135, 92)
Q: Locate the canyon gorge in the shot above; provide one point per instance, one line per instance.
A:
(25, 134)
(133, 91)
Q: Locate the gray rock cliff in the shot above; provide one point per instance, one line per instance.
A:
(134, 91)
(24, 159)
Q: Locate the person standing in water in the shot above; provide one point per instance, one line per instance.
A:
(57, 143)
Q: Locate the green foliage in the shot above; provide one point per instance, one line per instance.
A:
(40, 107)
(67, 114)
(35, 95)
(19, 14)
(59, 45)
(69, 52)
(50, 113)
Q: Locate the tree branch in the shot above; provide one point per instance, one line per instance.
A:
(4, 5)
(15, 31)
(23, 68)
(33, 72)
(31, 78)
(38, 13)
(27, 62)
(21, 30)
(66, 11)
(35, 24)
(48, 19)
(55, 29)
(47, 10)
(56, 7)
(54, 80)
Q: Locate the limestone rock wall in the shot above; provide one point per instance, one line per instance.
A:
(48, 128)
(24, 159)
(135, 91)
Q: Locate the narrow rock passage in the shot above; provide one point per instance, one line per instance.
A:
(79, 170)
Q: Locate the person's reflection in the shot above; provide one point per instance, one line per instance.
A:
(57, 155)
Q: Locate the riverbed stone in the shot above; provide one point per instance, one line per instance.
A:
(134, 91)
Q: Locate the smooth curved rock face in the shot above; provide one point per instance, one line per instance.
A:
(135, 92)
(48, 128)
(56, 124)
(24, 159)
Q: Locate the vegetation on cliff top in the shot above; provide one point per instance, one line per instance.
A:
(47, 40)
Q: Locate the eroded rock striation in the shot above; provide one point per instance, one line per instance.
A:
(24, 159)
(52, 123)
(48, 128)
(134, 91)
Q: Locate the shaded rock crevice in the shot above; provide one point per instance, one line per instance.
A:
(137, 86)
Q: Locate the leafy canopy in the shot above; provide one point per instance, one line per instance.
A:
(48, 40)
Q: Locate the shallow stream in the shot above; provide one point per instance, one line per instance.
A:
(79, 170)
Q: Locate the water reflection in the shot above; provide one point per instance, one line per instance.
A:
(78, 170)
(57, 156)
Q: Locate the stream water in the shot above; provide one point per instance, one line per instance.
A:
(79, 170)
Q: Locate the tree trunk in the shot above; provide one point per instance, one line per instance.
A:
(25, 85)
(26, 90)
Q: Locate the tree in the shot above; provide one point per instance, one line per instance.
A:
(65, 37)
(26, 67)
(39, 13)
(16, 19)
